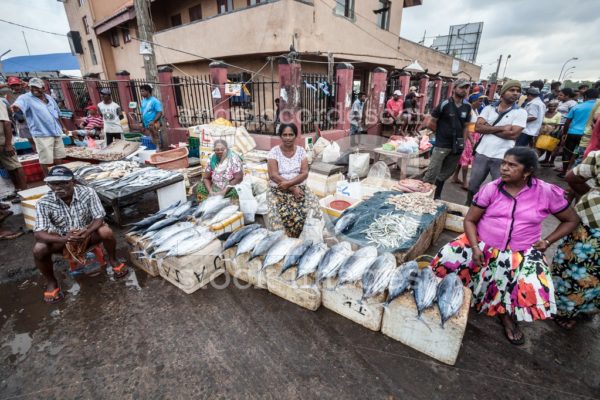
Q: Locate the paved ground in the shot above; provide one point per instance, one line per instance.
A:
(111, 340)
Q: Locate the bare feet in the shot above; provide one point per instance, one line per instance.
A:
(565, 323)
(511, 330)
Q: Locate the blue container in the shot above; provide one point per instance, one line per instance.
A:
(4, 173)
(147, 141)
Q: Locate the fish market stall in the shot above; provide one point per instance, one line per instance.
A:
(117, 150)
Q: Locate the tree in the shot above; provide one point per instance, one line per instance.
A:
(492, 77)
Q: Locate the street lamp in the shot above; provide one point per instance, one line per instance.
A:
(568, 75)
(505, 64)
(567, 71)
(563, 67)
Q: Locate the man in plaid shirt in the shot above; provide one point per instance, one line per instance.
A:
(69, 216)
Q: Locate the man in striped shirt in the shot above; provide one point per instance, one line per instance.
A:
(69, 217)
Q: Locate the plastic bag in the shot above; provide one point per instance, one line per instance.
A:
(408, 147)
(331, 153)
(262, 203)
(379, 172)
(424, 144)
(320, 145)
(359, 164)
(313, 229)
(248, 204)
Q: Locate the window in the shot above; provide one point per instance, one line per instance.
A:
(81, 2)
(255, 2)
(126, 34)
(176, 20)
(92, 52)
(344, 8)
(224, 6)
(195, 13)
(114, 37)
(86, 27)
(383, 14)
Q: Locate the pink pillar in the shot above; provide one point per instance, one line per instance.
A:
(437, 91)
(124, 89)
(218, 73)
(93, 92)
(450, 89)
(67, 95)
(167, 96)
(404, 82)
(290, 80)
(492, 87)
(343, 98)
(376, 101)
(423, 85)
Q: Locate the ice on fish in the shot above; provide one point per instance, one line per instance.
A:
(377, 277)
(238, 235)
(264, 245)
(333, 260)
(251, 240)
(295, 254)
(450, 296)
(425, 289)
(402, 279)
(356, 265)
(310, 260)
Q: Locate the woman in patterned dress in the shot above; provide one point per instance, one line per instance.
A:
(224, 170)
(501, 254)
(290, 200)
(576, 265)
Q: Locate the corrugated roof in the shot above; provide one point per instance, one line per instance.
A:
(40, 63)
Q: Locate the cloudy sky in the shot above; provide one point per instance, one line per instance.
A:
(539, 34)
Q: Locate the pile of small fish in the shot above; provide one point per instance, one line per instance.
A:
(182, 228)
(142, 177)
(416, 203)
(376, 272)
(391, 230)
(109, 170)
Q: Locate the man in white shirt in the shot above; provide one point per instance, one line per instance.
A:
(536, 109)
(111, 115)
(499, 125)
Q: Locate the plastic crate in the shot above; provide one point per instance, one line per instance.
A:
(133, 137)
(194, 147)
(147, 142)
(33, 171)
(170, 159)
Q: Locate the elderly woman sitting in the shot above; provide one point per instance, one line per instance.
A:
(223, 172)
(501, 254)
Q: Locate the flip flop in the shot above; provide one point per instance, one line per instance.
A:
(120, 271)
(4, 206)
(53, 296)
(12, 235)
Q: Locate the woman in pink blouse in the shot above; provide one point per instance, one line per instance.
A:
(501, 254)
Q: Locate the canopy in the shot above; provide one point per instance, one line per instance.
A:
(40, 63)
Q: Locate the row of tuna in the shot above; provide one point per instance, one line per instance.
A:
(377, 272)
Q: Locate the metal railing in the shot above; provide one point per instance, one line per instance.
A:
(79, 93)
(255, 107)
(113, 86)
(317, 99)
(193, 98)
(430, 97)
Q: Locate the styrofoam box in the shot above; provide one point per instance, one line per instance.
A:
(192, 272)
(240, 268)
(323, 185)
(324, 202)
(303, 292)
(135, 245)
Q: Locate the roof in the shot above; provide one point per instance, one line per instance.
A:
(125, 12)
(40, 62)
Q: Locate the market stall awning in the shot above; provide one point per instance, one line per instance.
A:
(40, 63)
(124, 13)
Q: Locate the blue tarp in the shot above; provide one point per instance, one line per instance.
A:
(40, 63)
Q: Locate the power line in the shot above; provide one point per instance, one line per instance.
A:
(33, 29)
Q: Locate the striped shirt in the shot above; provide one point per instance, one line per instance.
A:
(92, 122)
(53, 215)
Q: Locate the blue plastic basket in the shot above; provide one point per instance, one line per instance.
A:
(147, 141)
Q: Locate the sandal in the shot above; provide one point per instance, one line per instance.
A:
(565, 323)
(53, 296)
(8, 235)
(120, 271)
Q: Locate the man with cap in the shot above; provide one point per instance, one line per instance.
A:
(69, 219)
(499, 126)
(449, 122)
(536, 109)
(394, 107)
(111, 115)
(45, 126)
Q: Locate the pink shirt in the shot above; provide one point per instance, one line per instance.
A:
(395, 107)
(515, 223)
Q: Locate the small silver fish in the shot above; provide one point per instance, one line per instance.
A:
(402, 279)
(355, 266)
(425, 289)
(310, 260)
(377, 277)
(264, 245)
(333, 260)
(450, 296)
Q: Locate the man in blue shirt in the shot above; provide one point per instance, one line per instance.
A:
(575, 126)
(152, 112)
(45, 126)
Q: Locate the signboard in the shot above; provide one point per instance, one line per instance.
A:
(461, 42)
(233, 89)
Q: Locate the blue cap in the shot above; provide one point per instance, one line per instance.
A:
(59, 174)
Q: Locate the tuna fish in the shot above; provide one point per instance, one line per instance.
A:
(251, 240)
(425, 289)
(163, 223)
(377, 277)
(180, 210)
(345, 222)
(214, 209)
(207, 204)
(146, 222)
(278, 251)
(157, 236)
(264, 245)
(356, 265)
(238, 235)
(295, 255)
(402, 279)
(333, 260)
(310, 260)
(450, 296)
(224, 214)
(196, 242)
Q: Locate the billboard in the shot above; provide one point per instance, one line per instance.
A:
(461, 42)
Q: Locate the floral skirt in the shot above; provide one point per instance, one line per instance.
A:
(576, 272)
(466, 158)
(288, 213)
(512, 282)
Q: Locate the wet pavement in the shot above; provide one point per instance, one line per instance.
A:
(146, 339)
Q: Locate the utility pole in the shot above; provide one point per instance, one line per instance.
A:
(145, 33)
(498, 67)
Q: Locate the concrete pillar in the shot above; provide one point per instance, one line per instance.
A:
(437, 91)
(343, 98)
(450, 89)
(167, 95)
(423, 86)
(92, 88)
(376, 101)
(67, 95)
(218, 74)
(404, 82)
(290, 81)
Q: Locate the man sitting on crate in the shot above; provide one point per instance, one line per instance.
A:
(69, 220)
